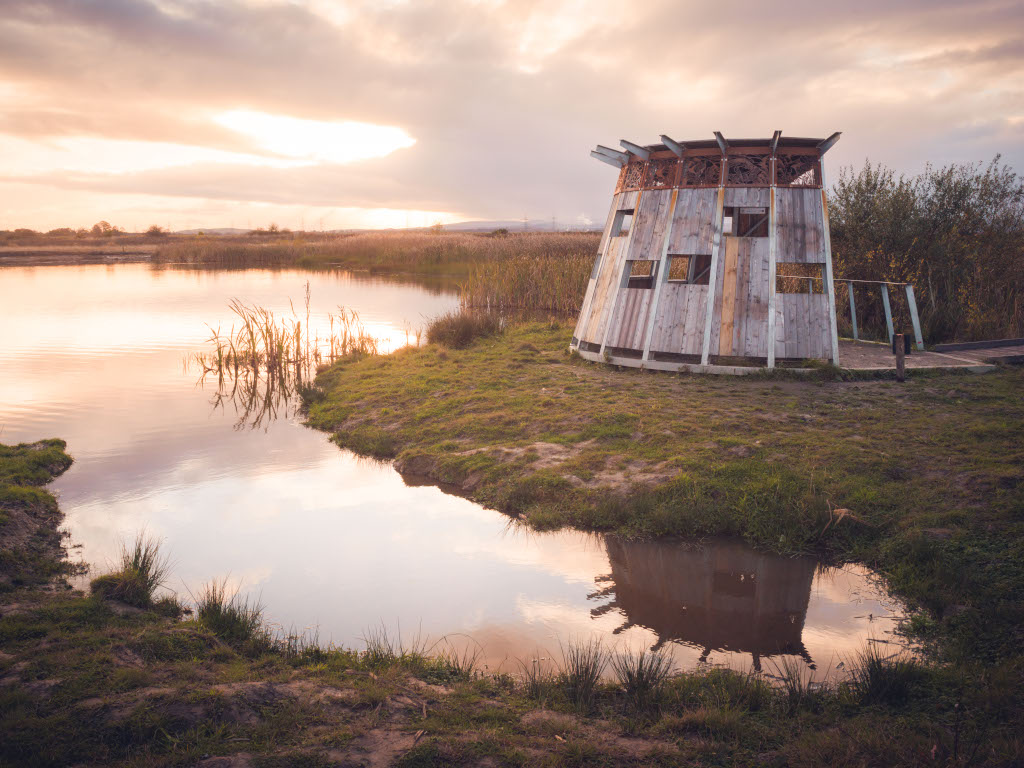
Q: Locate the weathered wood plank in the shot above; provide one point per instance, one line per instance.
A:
(728, 312)
(747, 197)
(693, 222)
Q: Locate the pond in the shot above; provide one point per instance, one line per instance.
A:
(339, 545)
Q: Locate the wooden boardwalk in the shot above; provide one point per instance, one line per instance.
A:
(869, 356)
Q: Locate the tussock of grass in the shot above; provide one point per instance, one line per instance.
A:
(878, 678)
(460, 329)
(143, 570)
(235, 620)
(642, 677)
(583, 664)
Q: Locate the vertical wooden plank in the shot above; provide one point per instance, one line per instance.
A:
(712, 289)
(773, 237)
(668, 217)
(830, 289)
(853, 309)
(623, 280)
(915, 321)
(725, 334)
(888, 311)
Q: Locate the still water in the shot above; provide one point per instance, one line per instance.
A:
(338, 544)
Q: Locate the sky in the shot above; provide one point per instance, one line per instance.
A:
(326, 115)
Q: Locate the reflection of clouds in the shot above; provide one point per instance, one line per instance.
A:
(572, 555)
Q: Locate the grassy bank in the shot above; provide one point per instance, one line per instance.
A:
(921, 480)
(132, 681)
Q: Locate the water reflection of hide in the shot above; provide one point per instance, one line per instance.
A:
(724, 597)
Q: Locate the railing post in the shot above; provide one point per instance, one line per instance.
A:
(888, 311)
(912, 303)
(853, 309)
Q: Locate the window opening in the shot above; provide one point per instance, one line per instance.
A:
(623, 221)
(794, 277)
(692, 269)
(745, 222)
(641, 273)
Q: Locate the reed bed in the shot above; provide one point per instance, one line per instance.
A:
(412, 252)
(546, 281)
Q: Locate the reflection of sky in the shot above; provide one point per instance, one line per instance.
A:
(94, 355)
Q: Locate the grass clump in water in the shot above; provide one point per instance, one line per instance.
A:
(143, 570)
(460, 329)
(642, 677)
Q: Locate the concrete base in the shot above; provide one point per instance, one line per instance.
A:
(853, 356)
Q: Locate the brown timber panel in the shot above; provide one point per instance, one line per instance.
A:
(604, 292)
(801, 233)
(649, 224)
(729, 285)
(630, 322)
(693, 221)
(747, 197)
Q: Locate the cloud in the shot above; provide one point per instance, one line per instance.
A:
(503, 99)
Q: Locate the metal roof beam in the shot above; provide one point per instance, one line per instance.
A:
(827, 144)
(607, 159)
(623, 156)
(775, 141)
(675, 146)
(635, 149)
(722, 143)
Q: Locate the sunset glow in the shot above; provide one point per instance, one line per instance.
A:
(193, 115)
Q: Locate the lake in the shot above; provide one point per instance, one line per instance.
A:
(340, 545)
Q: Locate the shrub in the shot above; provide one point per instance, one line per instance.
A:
(460, 329)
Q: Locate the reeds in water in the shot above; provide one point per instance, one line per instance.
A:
(262, 361)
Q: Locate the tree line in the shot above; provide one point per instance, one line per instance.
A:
(956, 233)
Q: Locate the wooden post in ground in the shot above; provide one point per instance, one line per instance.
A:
(853, 309)
(899, 344)
(888, 311)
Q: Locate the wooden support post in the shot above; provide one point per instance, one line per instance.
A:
(853, 310)
(901, 371)
(888, 310)
(830, 288)
(912, 303)
(772, 256)
(716, 241)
